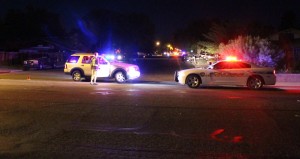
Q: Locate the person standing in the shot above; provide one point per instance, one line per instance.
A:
(94, 67)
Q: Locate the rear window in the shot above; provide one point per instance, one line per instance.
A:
(73, 59)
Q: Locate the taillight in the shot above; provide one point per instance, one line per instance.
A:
(274, 72)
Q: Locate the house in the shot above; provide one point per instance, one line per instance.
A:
(50, 50)
(289, 41)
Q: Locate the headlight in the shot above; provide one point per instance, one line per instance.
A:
(110, 57)
(179, 73)
(119, 57)
(133, 72)
(131, 69)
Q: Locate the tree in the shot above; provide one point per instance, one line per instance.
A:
(76, 41)
(30, 27)
(107, 30)
(253, 49)
(205, 46)
(288, 20)
(218, 33)
(191, 34)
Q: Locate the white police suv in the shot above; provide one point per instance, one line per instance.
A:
(237, 73)
(79, 66)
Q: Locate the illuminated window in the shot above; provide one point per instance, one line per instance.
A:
(101, 60)
(73, 59)
(86, 59)
(221, 65)
(239, 65)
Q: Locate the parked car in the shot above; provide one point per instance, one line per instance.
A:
(79, 66)
(41, 63)
(236, 73)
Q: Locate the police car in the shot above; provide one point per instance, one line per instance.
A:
(227, 72)
(79, 66)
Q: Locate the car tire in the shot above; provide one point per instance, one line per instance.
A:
(193, 81)
(76, 76)
(254, 83)
(120, 77)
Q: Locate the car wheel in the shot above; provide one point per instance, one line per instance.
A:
(193, 81)
(76, 76)
(120, 77)
(254, 83)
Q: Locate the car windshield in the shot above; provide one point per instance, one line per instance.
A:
(102, 60)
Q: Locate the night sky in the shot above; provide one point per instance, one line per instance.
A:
(168, 15)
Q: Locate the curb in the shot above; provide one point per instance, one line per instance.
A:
(4, 71)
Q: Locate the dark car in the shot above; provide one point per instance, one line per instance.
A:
(42, 63)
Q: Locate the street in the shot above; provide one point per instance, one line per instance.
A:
(152, 117)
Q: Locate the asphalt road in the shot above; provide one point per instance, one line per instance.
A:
(50, 116)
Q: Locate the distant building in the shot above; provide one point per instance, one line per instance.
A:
(48, 50)
(289, 41)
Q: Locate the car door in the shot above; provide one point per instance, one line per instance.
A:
(240, 72)
(85, 65)
(220, 74)
(230, 73)
(104, 67)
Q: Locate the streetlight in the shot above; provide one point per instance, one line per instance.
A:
(157, 43)
(170, 47)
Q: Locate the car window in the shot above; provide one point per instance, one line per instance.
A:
(240, 65)
(73, 59)
(101, 60)
(245, 65)
(217, 65)
(221, 65)
(231, 65)
(86, 59)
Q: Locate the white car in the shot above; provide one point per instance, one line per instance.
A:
(79, 66)
(237, 73)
